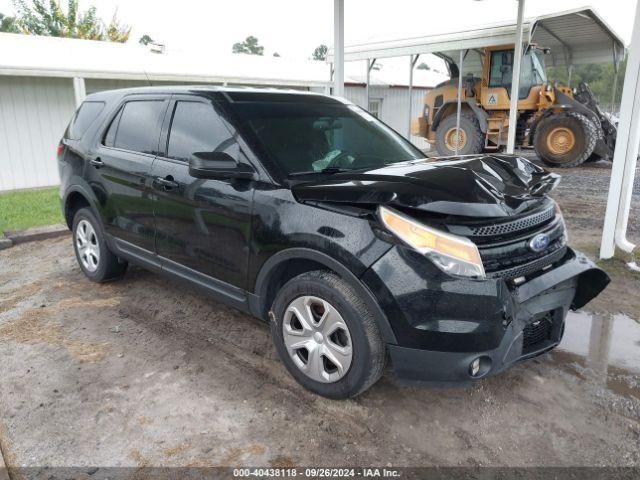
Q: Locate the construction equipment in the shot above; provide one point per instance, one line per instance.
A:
(564, 126)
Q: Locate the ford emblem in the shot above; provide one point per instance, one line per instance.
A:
(539, 242)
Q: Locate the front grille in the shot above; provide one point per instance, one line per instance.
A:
(505, 246)
(537, 334)
(526, 269)
(515, 225)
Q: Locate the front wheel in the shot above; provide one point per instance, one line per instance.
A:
(326, 336)
(565, 140)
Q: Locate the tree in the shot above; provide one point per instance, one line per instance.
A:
(320, 53)
(40, 18)
(249, 46)
(423, 66)
(116, 32)
(145, 39)
(599, 76)
(8, 24)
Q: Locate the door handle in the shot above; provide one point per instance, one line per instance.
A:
(167, 183)
(96, 162)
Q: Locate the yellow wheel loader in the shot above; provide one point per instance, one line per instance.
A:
(564, 126)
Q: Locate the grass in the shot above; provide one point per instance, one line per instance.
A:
(29, 208)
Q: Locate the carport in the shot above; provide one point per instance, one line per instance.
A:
(575, 37)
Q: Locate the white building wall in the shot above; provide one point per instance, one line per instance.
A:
(34, 113)
(395, 108)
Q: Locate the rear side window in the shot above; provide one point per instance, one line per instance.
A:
(83, 119)
(196, 127)
(135, 127)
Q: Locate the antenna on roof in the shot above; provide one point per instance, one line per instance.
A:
(148, 79)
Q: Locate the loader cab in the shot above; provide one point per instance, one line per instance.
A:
(498, 69)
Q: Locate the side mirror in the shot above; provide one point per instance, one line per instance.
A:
(219, 166)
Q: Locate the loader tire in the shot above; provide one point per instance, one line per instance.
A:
(565, 140)
(471, 137)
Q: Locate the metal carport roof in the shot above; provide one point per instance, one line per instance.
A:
(575, 37)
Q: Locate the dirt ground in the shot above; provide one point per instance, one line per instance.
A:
(144, 372)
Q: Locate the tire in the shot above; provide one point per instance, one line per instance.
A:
(571, 124)
(472, 140)
(593, 158)
(97, 262)
(317, 290)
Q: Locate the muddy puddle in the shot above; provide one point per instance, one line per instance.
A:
(603, 349)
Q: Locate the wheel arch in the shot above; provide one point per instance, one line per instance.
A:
(289, 263)
(76, 197)
(467, 105)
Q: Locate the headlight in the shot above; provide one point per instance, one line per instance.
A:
(564, 225)
(452, 254)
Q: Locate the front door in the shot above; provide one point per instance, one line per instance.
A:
(203, 226)
(119, 170)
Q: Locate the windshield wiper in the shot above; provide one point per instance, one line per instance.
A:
(328, 170)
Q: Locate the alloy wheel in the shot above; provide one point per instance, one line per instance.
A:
(87, 245)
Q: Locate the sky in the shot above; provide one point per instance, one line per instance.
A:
(293, 28)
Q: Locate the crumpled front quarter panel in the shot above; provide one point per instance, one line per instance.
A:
(281, 223)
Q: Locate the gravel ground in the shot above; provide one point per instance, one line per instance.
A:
(144, 372)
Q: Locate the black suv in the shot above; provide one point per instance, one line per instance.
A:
(306, 211)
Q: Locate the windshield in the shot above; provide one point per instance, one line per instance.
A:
(304, 135)
(538, 67)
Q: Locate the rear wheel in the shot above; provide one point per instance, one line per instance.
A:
(326, 336)
(94, 257)
(565, 140)
(469, 141)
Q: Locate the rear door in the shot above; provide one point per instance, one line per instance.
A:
(203, 226)
(120, 171)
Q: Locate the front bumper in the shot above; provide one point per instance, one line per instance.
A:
(443, 324)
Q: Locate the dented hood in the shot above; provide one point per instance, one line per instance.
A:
(474, 186)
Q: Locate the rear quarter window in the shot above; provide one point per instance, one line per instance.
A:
(82, 120)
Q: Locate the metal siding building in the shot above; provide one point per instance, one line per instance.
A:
(34, 112)
(392, 102)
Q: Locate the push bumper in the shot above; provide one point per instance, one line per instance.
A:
(516, 324)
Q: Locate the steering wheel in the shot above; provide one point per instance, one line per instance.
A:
(337, 160)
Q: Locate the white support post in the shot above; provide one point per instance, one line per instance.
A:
(515, 81)
(366, 87)
(413, 59)
(459, 105)
(79, 90)
(338, 48)
(626, 154)
(327, 88)
(614, 87)
(569, 74)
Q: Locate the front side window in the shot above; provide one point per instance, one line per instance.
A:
(196, 127)
(137, 128)
(307, 135)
